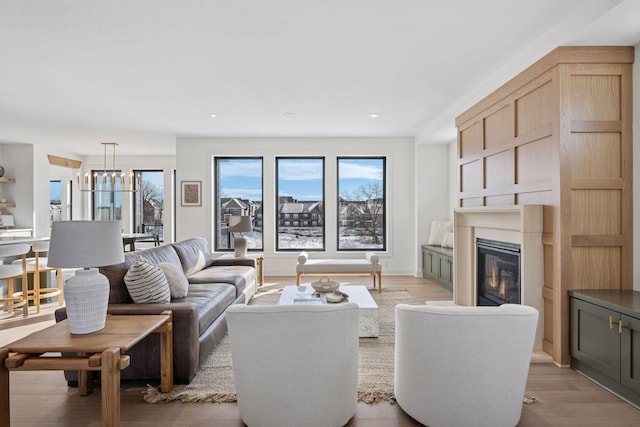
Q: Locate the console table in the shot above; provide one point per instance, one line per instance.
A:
(98, 351)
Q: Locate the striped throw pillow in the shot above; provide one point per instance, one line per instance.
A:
(147, 283)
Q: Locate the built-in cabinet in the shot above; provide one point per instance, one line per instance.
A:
(605, 336)
(437, 265)
(559, 134)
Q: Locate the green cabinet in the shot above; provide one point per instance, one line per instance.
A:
(605, 339)
(437, 265)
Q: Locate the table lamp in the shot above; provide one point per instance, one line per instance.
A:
(86, 244)
(240, 224)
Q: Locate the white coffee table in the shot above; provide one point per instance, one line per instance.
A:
(368, 324)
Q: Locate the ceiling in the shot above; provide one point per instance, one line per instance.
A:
(141, 73)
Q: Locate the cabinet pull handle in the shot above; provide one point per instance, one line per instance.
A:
(610, 322)
(619, 326)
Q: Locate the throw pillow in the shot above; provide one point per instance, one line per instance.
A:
(438, 228)
(146, 283)
(178, 283)
(447, 240)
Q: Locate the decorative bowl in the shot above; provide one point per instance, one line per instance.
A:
(334, 297)
(325, 285)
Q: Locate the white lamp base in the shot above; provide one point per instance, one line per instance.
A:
(86, 296)
(240, 246)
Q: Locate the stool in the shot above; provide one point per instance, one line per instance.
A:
(37, 265)
(12, 271)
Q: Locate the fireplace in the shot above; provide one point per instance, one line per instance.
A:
(498, 279)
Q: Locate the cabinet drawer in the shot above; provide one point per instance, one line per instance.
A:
(594, 337)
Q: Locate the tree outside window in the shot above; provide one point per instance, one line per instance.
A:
(238, 191)
(300, 203)
(361, 203)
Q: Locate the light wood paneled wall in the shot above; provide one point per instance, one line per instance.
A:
(559, 134)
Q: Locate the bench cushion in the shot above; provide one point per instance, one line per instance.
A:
(337, 266)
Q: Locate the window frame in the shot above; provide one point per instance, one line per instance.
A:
(383, 218)
(138, 175)
(217, 205)
(293, 220)
(98, 174)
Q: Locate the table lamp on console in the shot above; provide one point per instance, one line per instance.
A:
(86, 245)
(240, 224)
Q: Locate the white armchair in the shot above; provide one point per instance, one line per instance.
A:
(295, 365)
(463, 366)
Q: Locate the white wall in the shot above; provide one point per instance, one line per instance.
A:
(194, 160)
(432, 191)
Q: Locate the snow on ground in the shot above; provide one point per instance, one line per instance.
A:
(311, 238)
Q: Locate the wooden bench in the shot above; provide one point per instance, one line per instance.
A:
(369, 265)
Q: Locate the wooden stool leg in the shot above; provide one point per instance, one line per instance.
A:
(36, 283)
(25, 294)
(60, 286)
(10, 295)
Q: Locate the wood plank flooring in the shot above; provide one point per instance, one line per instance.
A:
(565, 398)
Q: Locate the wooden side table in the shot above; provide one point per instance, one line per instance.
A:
(257, 257)
(98, 351)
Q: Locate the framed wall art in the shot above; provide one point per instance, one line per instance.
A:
(191, 193)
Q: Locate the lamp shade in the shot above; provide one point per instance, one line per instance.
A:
(84, 244)
(240, 224)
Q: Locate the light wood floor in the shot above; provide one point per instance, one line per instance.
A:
(565, 398)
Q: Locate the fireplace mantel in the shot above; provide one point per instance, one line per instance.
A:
(520, 224)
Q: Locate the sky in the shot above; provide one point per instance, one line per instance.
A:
(300, 178)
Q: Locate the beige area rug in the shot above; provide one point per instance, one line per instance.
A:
(214, 380)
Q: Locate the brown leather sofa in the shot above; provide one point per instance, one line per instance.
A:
(198, 319)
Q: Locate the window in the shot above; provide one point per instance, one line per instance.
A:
(361, 203)
(238, 191)
(107, 205)
(55, 200)
(300, 195)
(148, 203)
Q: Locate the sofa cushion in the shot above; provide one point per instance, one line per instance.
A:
(211, 301)
(178, 283)
(147, 283)
(115, 273)
(238, 275)
(194, 254)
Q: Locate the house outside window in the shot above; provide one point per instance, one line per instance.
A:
(238, 191)
(300, 193)
(361, 203)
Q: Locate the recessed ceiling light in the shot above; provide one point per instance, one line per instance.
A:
(213, 115)
(289, 114)
(374, 115)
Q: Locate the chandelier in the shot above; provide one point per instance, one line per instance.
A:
(108, 176)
